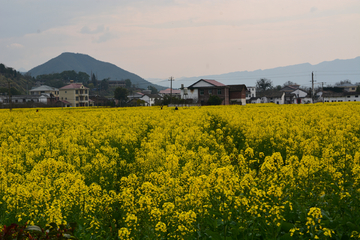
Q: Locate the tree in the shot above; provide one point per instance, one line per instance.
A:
(127, 83)
(347, 81)
(94, 80)
(288, 83)
(153, 89)
(264, 84)
(214, 100)
(104, 84)
(121, 94)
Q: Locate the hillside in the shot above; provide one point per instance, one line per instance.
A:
(84, 63)
(18, 83)
(328, 72)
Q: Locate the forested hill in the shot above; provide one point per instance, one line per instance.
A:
(84, 63)
(19, 83)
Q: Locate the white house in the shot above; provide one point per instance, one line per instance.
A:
(256, 100)
(190, 94)
(24, 99)
(150, 99)
(44, 89)
(301, 97)
(275, 97)
(251, 93)
(340, 96)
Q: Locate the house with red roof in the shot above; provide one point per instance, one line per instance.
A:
(74, 95)
(169, 91)
(201, 91)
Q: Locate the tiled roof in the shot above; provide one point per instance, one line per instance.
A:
(44, 88)
(214, 82)
(238, 87)
(339, 94)
(153, 95)
(74, 86)
(168, 91)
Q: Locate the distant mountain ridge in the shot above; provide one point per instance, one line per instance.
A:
(84, 63)
(328, 72)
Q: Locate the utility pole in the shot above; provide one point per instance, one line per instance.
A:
(171, 80)
(322, 91)
(313, 90)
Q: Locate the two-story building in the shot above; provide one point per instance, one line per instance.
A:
(201, 91)
(206, 87)
(74, 94)
(45, 89)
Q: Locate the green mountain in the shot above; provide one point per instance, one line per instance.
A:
(84, 63)
(18, 83)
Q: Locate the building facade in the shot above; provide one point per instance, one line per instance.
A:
(76, 94)
(45, 89)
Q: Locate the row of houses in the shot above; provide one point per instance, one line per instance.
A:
(71, 95)
(197, 93)
(77, 95)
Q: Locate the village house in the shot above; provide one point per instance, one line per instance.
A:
(150, 99)
(330, 96)
(237, 94)
(45, 89)
(174, 92)
(250, 93)
(201, 91)
(338, 94)
(23, 99)
(74, 95)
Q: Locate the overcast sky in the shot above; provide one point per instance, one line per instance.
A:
(180, 38)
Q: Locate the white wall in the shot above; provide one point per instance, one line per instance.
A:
(191, 94)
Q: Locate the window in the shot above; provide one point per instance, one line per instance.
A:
(201, 91)
(65, 98)
(348, 96)
(77, 91)
(210, 91)
(356, 95)
(86, 98)
(65, 91)
(85, 91)
(77, 104)
(219, 91)
(77, 98)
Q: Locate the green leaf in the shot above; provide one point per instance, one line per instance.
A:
(285, 226)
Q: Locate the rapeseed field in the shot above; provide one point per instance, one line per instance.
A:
(225, 172)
